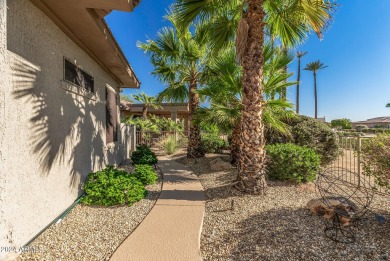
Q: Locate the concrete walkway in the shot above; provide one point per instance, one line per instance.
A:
(172, 229)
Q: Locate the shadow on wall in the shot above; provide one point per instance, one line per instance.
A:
(64, 129)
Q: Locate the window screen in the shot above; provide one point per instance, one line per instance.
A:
(78, 77)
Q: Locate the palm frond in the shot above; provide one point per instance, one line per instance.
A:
(315, 66)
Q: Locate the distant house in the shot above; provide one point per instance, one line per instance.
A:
(174, 111)
(382, 122)
(61, 72)
(321, 119)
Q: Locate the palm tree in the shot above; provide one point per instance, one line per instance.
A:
(224, 91)
(299, 56)
(179, 57)
(290, 21)
(147, 101)
(388, 105)
(315, 67)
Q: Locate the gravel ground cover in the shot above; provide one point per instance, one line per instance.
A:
(92, 233)
(277, 226)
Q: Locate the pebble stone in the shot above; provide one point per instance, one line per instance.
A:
(277, 226)
(92, 233)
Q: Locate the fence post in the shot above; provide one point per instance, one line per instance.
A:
(359, 148)
(133, 134)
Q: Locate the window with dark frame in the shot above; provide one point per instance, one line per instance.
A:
(111, 116)
(77, 76)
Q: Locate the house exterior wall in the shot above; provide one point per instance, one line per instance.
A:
(51, 133)
(3, 81)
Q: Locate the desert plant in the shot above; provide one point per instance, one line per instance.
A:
(143, 155)
(170, 144)
(110, 186)
(375, 154)
(292, 162)
(145, 174)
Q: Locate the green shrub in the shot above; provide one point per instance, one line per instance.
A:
(144, 155)
(212, 143)
(318, 136)
(375, 155)
(341, 123)
(145, 174)
(306, 131)
(291, 162)
(376, 130)
(110, 186)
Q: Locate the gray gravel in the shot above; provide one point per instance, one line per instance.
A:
(277, 226)
(92, 233)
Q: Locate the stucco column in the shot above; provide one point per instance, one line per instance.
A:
(174, 115)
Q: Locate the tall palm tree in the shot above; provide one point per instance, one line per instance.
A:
(388, 105)
(299, 56)
(315, 67)
(179, 56)
(147, 101)
(290, 20)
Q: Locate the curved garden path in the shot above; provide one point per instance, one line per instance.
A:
(172, 229)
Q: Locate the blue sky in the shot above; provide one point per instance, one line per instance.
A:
(356, 49)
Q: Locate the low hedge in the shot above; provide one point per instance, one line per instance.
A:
(143, 155)
(110, 186)
(145, 174)
(292, 162)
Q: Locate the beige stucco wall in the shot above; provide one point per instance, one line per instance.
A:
(50, 137)
(3, 173)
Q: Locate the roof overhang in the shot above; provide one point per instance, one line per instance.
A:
(83, 21)
(164, 108)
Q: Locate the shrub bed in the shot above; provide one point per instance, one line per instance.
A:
(110, 186)
(306, 131)
(292, 162)
(145, 174)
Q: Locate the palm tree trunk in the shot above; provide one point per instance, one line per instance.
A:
(298, 83)
(283, 93)
(235, 143)
(145, 112)
(194, 149)
(251, 167)
(315, 95)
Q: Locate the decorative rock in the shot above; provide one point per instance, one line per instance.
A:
(219, 164)
(344, 207)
